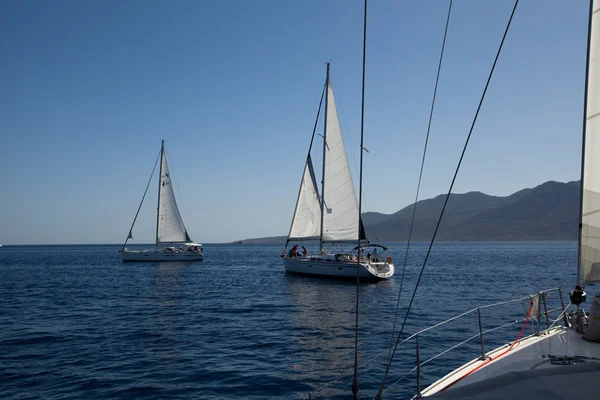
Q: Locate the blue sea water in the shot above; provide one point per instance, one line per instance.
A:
(76, 322)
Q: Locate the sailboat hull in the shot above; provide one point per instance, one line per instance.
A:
(329, 267)
(159, 255)
(555, 351)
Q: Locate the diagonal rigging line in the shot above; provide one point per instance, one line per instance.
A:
(143, 197)
(360, 193)
(379, 394)
(412, 222)
(348, 138)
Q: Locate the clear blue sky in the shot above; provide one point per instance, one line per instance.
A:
(88, 90)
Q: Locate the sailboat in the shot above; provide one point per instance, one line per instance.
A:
(173, 242)
(563, 360)
(332, 218)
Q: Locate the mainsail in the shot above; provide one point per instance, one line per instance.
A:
(170, 225)
(306, 223)
(590, 218)
(340, 222)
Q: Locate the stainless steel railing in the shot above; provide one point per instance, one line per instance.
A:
(541, 311)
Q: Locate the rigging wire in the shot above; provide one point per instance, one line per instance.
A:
(362, 134)
(129, 235)
(412, 222)
(364, 364)
(379, 394)
(352, 160)
(362, 367)
(312, 138)
(316, 120)
(583, 141)
(561, 316)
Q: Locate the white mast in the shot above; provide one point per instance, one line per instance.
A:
(324, 158)
(162, 154)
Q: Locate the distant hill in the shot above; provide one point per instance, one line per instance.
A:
(549, 211)
(264, 240)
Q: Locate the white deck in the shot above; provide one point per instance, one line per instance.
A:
(328, 266)
(554, 347)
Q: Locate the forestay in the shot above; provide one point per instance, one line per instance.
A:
(306, 223)
(590, 231)
(170, 225)
(340, 222)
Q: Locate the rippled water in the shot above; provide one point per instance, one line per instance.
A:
(76, 322)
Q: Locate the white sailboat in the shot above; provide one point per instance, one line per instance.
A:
(333, 217)
(173, 242)
(563, 360)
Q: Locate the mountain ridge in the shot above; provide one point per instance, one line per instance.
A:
(549, 211)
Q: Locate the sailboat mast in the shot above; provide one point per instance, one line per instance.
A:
(585, 100)
(162, 154)
(324, 158)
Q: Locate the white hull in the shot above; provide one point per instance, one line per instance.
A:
(328, 266)
(160, 255)
(554, 348)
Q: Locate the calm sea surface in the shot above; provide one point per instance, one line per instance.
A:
(76, 322)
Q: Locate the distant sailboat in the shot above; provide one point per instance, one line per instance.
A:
(170, 229)
(333, 217)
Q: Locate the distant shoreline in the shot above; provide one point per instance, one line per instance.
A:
(250, 242)
(546, 213)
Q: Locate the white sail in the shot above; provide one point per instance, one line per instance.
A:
(170, 225)
(590, 219)
(306, 223)
(340, 222)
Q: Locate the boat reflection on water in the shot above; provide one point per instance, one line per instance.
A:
(163, 331)
(323, 326)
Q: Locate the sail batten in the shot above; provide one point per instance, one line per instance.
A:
(170, 224)
(304, 238)
(591, 117)
(590, 204)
